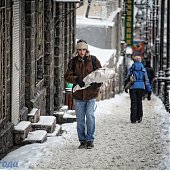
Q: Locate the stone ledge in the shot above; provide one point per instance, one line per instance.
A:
(38, 136)
(47, 123)
(56, 132)
(59, 116)
(34, 115)
(64, 108)
(21, 131)
(67, 117)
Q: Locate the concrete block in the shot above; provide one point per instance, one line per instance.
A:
(21, 131)
(34, 115)
(47, 123)
(38, 136)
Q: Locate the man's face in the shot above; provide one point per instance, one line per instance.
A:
(81, 52)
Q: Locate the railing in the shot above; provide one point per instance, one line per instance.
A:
(163, 90)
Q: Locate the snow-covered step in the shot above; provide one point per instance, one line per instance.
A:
(71, 112)
(59, 116)
(67, 127)
(64, 108)
(56, 132)
(69, 117)
(34, 115)
(37, 136)
(47, 123)
(21, 131)
(65, 117)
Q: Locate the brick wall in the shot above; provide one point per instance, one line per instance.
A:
(6, 139)
(6, 126)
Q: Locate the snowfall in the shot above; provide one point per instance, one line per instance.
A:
(118, 144)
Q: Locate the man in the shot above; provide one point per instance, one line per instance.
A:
(151, 75)
(137, 89)
(84, 100)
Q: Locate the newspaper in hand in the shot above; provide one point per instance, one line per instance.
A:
(100, 75)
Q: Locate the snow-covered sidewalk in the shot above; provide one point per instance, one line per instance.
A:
(119, 145)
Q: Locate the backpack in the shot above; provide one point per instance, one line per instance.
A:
(93, 62)
(130, 80)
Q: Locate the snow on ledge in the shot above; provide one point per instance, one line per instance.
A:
(46, 120)
(80, 20)
(22, 125)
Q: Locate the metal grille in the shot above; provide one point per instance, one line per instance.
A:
(2, 63)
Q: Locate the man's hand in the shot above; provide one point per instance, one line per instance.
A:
(95, 84)
(80, 82)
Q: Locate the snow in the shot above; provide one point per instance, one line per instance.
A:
(36, 135)
(33, 111)
(114, 13)
(103, 55)
(22, 125)
(81, 20)
(66, 115)
(59, 113)
(120, 61)
(119, 144)
(46, 120)
(128, 50)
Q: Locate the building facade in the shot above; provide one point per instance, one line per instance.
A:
(6, 126)
(37, 36)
